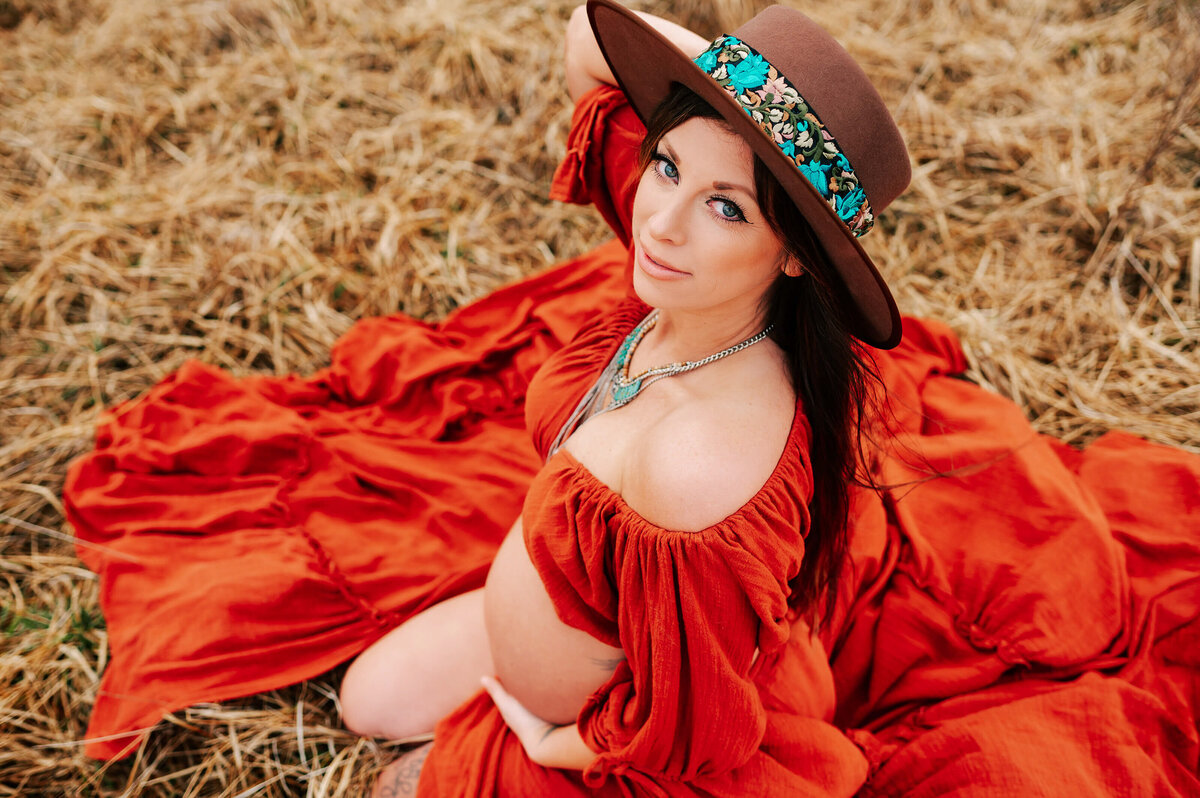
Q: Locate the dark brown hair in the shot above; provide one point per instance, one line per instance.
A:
(833, 379)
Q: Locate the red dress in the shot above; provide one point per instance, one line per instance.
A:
(686, 713)
(1023, 623)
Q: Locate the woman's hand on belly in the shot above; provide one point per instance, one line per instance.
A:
(549, 667)
(545, 744)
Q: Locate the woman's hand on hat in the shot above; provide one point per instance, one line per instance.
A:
(545, 743)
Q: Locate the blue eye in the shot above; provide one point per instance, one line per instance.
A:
(663, 165)
(724, 209)
(728, 210)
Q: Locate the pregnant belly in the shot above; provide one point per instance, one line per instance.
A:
(548, 666)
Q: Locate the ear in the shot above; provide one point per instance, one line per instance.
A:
(791, 266)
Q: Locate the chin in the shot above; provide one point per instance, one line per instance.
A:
(640, 289)
(654, 293)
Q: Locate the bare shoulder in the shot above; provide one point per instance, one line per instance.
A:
(707, 458)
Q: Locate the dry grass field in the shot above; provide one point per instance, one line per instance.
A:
(240, 180)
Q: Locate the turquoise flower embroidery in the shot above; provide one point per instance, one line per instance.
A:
(707, 60)
(817, 173)
(749, 73)
(849, 203)
(775, 105)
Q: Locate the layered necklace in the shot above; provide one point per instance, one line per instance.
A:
(625, 388)
(615, 388)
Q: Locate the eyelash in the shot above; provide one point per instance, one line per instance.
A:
(658, 158)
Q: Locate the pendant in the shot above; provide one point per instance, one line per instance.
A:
(623, 394)
(624, 389)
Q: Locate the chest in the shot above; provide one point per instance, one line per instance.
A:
(609, 444)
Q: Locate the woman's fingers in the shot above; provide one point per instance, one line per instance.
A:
(527, 726)
(544, 743)
(499, 694)
(515, 715)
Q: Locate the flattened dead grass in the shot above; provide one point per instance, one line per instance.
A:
(239, 180)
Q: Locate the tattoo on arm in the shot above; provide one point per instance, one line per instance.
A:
(550, 728)
(399, 780)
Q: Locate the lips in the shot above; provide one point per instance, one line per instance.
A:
(656, 268)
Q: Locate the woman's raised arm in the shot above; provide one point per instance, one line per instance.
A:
(585, 65)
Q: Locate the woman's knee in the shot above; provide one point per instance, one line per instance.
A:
(404, 683)
(359, 703)
(382, 701)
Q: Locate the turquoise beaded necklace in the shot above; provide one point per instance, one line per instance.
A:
(626, 388)
(616, 382)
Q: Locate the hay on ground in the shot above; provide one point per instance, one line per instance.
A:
(239, 180)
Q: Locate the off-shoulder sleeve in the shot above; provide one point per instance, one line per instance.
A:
(682, 705)
(601, 162)
(687, 608)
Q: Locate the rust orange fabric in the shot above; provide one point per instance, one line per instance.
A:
(1019, 617)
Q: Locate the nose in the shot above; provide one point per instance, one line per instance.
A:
(666, 222)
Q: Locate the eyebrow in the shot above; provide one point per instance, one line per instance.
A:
(733, 187)
(719, 186)
(670, 150)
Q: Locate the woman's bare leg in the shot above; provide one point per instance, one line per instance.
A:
(417, 673)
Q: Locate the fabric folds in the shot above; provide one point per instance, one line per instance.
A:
(1019, 617)
(688, 608)
(249, 533)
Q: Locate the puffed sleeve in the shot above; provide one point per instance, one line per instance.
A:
(682, 705)
(687, 608)
(601, 162)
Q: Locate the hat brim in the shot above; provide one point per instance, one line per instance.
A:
(646, 64)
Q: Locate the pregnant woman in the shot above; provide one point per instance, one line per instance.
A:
(762, 545)
(700, 439)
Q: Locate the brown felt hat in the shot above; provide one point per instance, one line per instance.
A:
(806, 109)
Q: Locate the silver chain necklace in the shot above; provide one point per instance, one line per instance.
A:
(615, 375)
(625, 388)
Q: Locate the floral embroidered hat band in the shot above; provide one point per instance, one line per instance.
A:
(806, 109)
(775, 105)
